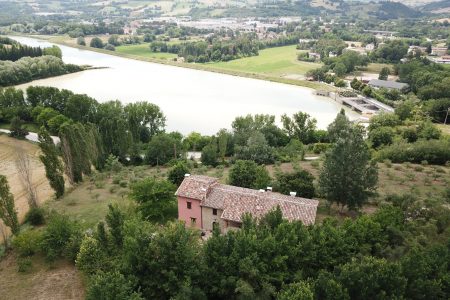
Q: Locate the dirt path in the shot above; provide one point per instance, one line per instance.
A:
(8, 149)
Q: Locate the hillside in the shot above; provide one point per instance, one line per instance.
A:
(8, 148)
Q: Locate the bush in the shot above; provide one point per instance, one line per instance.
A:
(35, 216)
(28, 242)
(123, 184)
(24, 264)
(300, 182)
(321, 147)
(59, 235)
(418, 168)
(432, 151)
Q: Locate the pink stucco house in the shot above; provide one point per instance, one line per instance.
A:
(204, 203)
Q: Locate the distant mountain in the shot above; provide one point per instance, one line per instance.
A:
(395, 10)
(437, 7)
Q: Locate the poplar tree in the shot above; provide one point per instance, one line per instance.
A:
(53, 166)
(8, 211)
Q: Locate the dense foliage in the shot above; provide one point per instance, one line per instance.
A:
(27, 69)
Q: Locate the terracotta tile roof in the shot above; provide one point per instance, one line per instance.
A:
(195, 187)
(235, 201)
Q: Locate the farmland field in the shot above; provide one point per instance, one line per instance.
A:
(143, 50)
(278, 61)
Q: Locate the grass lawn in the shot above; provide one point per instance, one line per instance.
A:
(143, 50)
(445, 128)
(278, 61)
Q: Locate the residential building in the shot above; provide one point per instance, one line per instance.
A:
(204, 203)
(442, 60)
(387, 84)
(439, 51)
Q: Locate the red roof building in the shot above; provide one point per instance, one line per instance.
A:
(205, 203)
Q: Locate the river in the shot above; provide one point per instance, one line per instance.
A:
(192, 100)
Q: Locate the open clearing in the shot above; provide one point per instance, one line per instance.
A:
(278, 61)
(59, 281)
(8, 149)
(143, 50)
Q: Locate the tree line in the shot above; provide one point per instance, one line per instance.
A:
(216, 50)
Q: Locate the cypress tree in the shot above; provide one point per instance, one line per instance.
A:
(8, 211)
(53, 166)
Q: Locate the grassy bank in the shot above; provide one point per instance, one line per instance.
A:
(281, 67)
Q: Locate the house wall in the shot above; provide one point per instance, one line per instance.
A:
(208, 218)
(230, 225)
(185, 214)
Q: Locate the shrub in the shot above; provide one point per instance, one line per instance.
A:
(432, 151)
(388, 163)
(418, 168)
(24, 264)
(28, 242)
(35, 216)
(116, 180)
(321, 147)
(123, 184)
(57, 236)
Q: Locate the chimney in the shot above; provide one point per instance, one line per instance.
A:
(187, 175)
(293, 194)
(269, 188)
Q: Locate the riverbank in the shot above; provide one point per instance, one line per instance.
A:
(62, 40)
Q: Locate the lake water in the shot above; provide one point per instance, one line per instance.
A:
(192, 100)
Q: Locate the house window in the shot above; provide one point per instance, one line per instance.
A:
(193, 221)
(189, 205)
(214, 211)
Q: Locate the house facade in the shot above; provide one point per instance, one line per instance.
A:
(205, 204)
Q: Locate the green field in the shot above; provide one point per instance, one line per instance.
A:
(279, 62)
(143, 50)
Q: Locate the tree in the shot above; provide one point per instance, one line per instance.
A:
(340, 69)
(246, 173)
(162, 148)
(111, 286)
(96, 43)
(23, 166)
(384, 73)
(348, 175)
(8, 211)
(166, 262)
(300, 126)
(381, 136)
(115, 220)
(300, 182)
(177, 173)
(338, 126)
(372, 278)
(256, 149)
(209, 154)
(155, 198)
(296, 291)
(81, 41)
(17, 130)
(53, 166)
